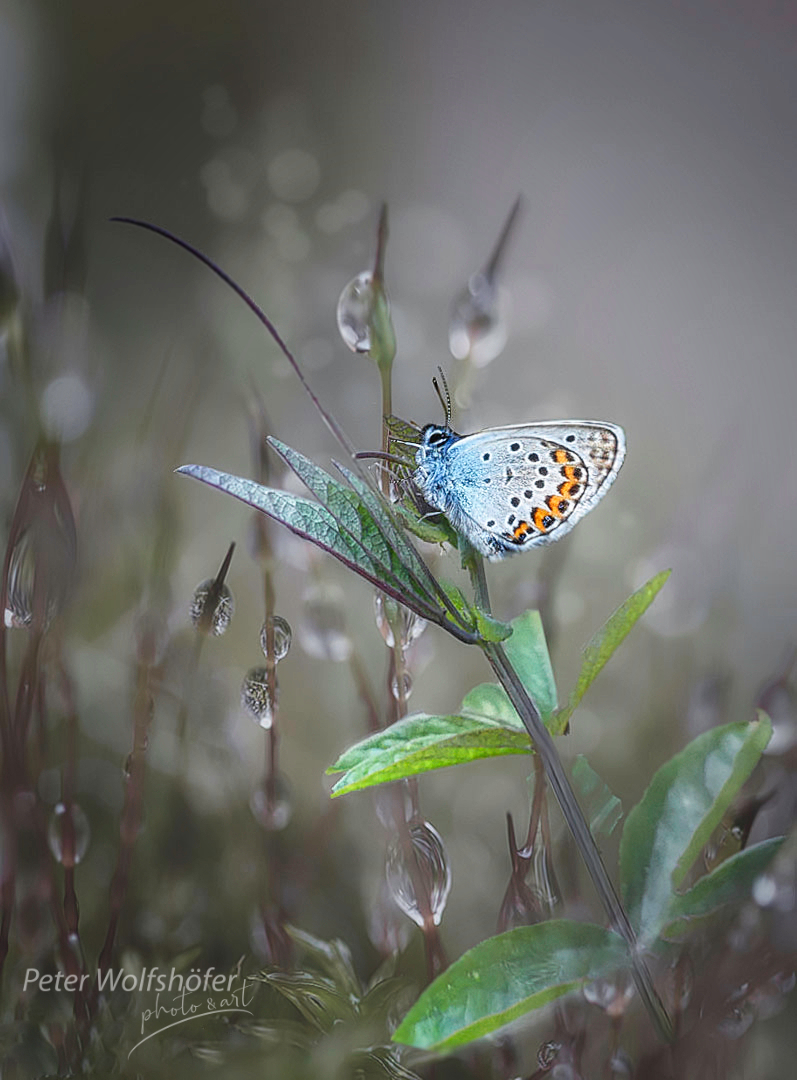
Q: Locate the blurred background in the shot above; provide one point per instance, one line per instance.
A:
(650, 281)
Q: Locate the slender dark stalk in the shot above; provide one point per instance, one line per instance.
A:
(576, 822)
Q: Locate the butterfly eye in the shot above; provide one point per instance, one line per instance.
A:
(437, 436)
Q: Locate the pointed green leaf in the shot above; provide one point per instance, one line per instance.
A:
(506, 977)
(686, 799)
(528, 653)
(607, 640)
(315, 523)
(729, 883)
(421, 743)
(602, 807)
(367, 521)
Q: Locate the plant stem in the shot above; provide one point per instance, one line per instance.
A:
(576, 822)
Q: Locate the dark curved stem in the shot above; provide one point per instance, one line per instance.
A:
(576, 822)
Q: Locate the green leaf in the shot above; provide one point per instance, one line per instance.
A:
(491, 701)
(728, 883)
(607, 640)
(431, 530)
(686, 799)
(506, 977)
(421, 743)
(601, 806)
(528, 653)
(490, 629)
(350, 534)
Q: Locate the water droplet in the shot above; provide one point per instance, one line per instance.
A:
(322, 628)
(68, 849)
(66, 407)
(272, 809)
(621, 1064)
(401, 686)
(564, 1071)
(354, 313)
(770, 999)
(282, 636)
(256, 696)
(738, 1021)
(543, 879)
(393, 803)
(42, 559)
(772, 890)
(388, 611)
(602, 993)
(387, 928)
(432, 865)
(547, 1053)
(212, 607)
(477, 329)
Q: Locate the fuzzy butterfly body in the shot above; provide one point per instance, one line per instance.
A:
(510, 488)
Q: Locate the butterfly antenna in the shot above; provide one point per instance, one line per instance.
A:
(444, 401)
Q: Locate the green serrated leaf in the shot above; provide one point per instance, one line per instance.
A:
(421, 743)
(506, 977)
(315, 523)
(605, 642)
(729, 883)
(602, 808)
(665, 832)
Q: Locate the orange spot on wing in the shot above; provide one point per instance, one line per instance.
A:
(566, 489)
(561, 457)
(538, 517)
(557, 506)
(572, 472)
(520, 529)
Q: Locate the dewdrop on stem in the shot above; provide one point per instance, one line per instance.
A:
(432, 865)
(68, 851)
(257, 696)
(354, 312)
(389, 613)
(477, 329)
(322, 628)
(212, 607)
(282, 635)
(363, 312)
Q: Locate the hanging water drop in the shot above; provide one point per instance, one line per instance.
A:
(389, 613)
(547, 1053)
(354, 312)
(281, 634)
(477, 329)
(272, 809)
(401, 686)
(257, 698)
(433, 867)
(68, 849)
(212, 607)
(543, 879)
(322, 629)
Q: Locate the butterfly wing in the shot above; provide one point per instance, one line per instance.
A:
(526, 485)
